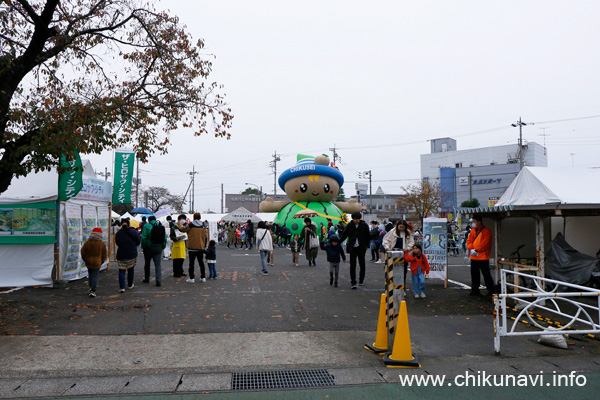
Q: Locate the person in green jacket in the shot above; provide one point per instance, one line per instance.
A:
(154, 240)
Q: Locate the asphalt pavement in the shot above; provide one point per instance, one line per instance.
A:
(186, 339)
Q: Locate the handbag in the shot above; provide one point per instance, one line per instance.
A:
(314, 241)
(261, 239)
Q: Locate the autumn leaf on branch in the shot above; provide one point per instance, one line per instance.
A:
(91, 75)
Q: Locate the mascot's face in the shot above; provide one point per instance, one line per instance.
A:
(312, 188)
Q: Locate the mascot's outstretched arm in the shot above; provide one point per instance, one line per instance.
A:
(349, 207)
(269, 205)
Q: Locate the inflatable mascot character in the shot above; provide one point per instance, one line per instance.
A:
(311, 185)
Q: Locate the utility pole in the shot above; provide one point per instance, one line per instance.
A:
(105, 174)
(544, 135)
(274, 165)
(221, 198)
(370, 193)
(192, 195)
(335, 154)
(520, 124)
(470, 187)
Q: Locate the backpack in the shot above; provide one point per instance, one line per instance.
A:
(157, 234)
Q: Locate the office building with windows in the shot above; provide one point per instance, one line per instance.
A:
(482, 173)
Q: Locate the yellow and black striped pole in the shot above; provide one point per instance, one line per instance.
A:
(393, 292)
(401, 355)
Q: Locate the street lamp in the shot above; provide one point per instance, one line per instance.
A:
(365, 175)
(260, 198)
(258, 187)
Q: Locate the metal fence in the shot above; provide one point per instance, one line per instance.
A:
(542, 294)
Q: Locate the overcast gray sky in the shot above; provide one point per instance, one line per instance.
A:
(378, 80)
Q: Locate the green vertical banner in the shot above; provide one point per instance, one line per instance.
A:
(70, 181)
(123, 176)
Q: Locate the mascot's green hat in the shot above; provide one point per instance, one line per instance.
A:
(305, 165)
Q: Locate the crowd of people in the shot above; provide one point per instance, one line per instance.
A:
(181, 239)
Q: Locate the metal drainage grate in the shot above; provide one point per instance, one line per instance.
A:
(281, 379)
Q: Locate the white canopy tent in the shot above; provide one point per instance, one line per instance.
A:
(33, 222)
(127, 215)
(27, 263)
(267, 217)
(210, 217)
(539, 204)
(241, 215)
(541, 186)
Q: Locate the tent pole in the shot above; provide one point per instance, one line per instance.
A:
(109, 252)
(540, 247)
(57, 241)
(497, 229)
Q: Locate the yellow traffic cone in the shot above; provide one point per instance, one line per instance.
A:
(401, 355)
(381, 337)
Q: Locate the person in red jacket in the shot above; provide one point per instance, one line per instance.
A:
(479, 246)
(419, 266)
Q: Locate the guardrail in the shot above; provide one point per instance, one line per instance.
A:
(582, 318)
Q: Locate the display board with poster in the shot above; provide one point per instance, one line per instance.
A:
(90, 221)
(213, 231)
(74, 240)
(104, 222)
(435, 248)
(28, 223)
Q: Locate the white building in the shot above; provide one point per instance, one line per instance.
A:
(482, 173)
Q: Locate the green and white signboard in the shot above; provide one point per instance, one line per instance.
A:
(123, 176)
(28, 223)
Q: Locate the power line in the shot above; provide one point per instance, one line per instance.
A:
(567, 120)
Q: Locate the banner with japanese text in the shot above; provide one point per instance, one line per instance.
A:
(435, 246)
(70, 181)
(123, 176)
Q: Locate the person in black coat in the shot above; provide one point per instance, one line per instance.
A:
(358, 235)
(250, 233)
(127, 240)
(374, 232)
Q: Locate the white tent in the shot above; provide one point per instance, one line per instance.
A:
(31, 217)
(542, 202)
(540, 186)
(39, 187)
(268, 217)
(127, 215)
(241, 215)
(211, 217)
